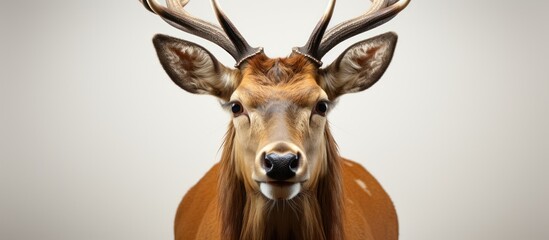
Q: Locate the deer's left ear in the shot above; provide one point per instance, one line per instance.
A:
(360, 66)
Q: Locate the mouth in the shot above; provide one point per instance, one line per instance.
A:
(280, 190)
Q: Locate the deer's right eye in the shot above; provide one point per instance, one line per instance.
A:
(237, 108)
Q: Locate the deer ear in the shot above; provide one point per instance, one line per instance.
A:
(360, 66)
(193, 68)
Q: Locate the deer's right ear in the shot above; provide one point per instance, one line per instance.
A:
(193, 68)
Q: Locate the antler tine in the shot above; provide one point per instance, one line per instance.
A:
(316, 36)
(234, 35)
(183, 21)
(227, 38)
(376, 5)
(380, 12)
(146, 6)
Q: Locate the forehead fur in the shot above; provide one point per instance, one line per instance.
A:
(291, 79)
(267, 71)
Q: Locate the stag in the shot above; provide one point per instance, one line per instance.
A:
(280, 175)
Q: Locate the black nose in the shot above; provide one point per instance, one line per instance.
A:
(281, 167)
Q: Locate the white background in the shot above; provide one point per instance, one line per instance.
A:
(97, 143)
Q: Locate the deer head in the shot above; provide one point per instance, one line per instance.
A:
(278, 144)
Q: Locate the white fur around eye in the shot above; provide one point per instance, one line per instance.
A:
(242, 121)
(317, 121)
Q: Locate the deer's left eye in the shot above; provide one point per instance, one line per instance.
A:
(321, 108)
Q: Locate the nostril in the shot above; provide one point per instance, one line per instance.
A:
(267, 164)
(294, 164)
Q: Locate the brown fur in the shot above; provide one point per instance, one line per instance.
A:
(232, 196)
(291, 78)
(315, 215)
(339, 209)
(332, 206)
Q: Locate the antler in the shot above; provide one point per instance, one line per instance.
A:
(227, 38)
(319, 43)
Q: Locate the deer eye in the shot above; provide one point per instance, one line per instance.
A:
(237, 108)
(321, 108)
